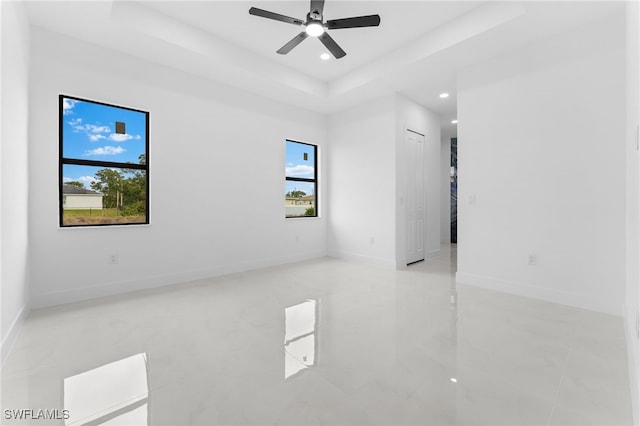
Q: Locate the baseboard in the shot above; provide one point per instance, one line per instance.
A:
(121, 287)
(631, 341)
(356, 257)
(540, 293)
(12, 335)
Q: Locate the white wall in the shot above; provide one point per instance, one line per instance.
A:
(361, 177)
(367, 181)
(633, 201)
(543, 156)
(445, 190)
(14, 112)
(211, 147)
(410, 115)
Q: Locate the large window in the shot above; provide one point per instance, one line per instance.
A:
(104, 164)
(301, 195)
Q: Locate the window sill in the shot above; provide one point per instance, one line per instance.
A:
(137, 225)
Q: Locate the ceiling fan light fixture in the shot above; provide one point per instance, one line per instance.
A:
(314, 29)
(325, 56)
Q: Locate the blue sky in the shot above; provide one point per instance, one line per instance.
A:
(297, 166)
(89, 134)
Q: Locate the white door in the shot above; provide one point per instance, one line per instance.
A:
(415, 196)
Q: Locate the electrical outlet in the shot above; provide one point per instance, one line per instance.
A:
(113, 259)
(533, 260)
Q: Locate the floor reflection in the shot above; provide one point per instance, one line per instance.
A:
(113, 394)
(300, 337)
(453, 331)
(361, 345)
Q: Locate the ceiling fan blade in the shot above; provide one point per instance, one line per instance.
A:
(356, 22)
(293, 43)
(318, 7)
(275, 16)
(331, 44)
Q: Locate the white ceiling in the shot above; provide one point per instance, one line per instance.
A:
(417, 50)
(230, 20)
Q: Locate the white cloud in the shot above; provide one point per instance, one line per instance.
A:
(93, 131)
(106, 150)
(96, 132)
(97, 129)
(117, 137)
(85, 180)
(67, 106)
(299, 170)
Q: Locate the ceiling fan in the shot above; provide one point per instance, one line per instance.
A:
(315, 27)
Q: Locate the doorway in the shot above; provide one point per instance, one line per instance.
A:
(415, 198)
(454, 190)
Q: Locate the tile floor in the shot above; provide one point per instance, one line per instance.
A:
(320, 342)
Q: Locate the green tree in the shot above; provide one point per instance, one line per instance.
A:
(75, 183)
(135, 190)
(296, 194)
(123, 189)
(109, 183)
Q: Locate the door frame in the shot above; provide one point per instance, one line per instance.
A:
(410, 257)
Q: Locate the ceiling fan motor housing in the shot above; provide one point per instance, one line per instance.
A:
(314, 15)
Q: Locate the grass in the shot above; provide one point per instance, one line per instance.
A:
(99, 217)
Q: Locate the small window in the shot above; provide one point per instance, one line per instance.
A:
(104, 164)
(301, 184)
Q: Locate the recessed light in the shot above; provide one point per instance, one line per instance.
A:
(454, 121)
(325, 56)
(444, 95)
(454, 380)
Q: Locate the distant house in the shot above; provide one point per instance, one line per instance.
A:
(76, 198)
(308, 200)
(297, 206)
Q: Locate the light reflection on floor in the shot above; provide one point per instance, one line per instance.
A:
(300, 337)
(362, 346)
(115, 393)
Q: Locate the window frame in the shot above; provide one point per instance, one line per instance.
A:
(313, 180)
(62, 161)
